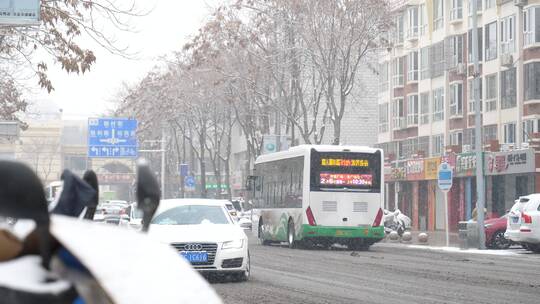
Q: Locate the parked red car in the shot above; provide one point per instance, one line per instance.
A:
(495, 228)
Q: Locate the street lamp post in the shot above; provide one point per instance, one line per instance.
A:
(480, 192)
(162, 150)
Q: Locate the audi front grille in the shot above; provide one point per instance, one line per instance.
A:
(210, 248)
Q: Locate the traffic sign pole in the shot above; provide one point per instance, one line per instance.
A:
(446, 219)
(445, 176)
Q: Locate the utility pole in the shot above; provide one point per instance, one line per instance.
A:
(480, 189)
(520, 88)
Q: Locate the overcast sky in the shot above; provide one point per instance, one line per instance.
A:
(164, 30)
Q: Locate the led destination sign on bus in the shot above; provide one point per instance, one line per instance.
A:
(339, 162)
(338, 179)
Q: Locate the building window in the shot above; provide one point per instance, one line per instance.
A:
(491, 41)
(531, 25)
(490, 133)
(422, 20)
(456, 11)
(383, 118)
(456, 138)
(437, 144)
(454, 50)
(470, 90)
(399, 29)
(509, 133)
(530, 126)
(478, 8)
(438, 14)
(412, 110)
(424, 63)
(409, 147)
(508, 88)
(469, 44)
(424, 108)
(532, 80)
(508, 28)
(397, 72)
(489, 4)
(383, 76)
(397, 113)
(469, 139)
(438, 104)
(423, 145)
(437, 59)
(412, 18)
(456, 99)
(491, 92)
(412, 66)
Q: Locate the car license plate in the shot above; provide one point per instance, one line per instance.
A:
(515, 219)
(195, 256)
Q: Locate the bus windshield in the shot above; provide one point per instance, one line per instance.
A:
(345, 170)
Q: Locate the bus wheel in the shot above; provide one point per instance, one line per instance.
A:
(290, 235)
(260, 236)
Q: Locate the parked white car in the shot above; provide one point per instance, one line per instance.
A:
(524, 222)
(203, 231)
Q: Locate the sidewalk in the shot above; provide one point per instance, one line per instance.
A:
(435, 239)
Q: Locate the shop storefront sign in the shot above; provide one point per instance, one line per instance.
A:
(465, 164)
(431, 167)
(415, 169)
(511, 162)
(398, 171)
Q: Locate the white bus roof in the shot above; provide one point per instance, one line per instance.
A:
(303, 149)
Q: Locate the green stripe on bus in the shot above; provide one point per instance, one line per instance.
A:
(342, 232)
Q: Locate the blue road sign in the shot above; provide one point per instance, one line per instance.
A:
(190, 181)
(445, 176)
(112, 138)
(183, 168)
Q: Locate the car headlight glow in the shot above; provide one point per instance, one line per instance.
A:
(235, 244)
(487, 225)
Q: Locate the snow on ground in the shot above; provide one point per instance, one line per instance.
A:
(505, 252)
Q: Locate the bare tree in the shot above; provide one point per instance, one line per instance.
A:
(41, 153)
(63, 23)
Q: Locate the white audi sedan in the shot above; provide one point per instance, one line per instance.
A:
(204, 233)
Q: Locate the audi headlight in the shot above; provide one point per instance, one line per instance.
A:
(488, 225)
(236, 244)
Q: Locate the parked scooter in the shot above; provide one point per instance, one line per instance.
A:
(396, 221)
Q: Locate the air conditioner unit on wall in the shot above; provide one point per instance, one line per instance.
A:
(520, 3)
(507, 147)
(507, 60)
(461, 69)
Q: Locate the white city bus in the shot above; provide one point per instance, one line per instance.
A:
(319, 195)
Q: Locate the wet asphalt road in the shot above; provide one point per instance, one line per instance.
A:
(387, 273)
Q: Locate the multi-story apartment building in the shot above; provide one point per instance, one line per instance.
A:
(426, 105)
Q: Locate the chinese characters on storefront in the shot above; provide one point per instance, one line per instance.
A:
(465, 164)
(511, 162)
